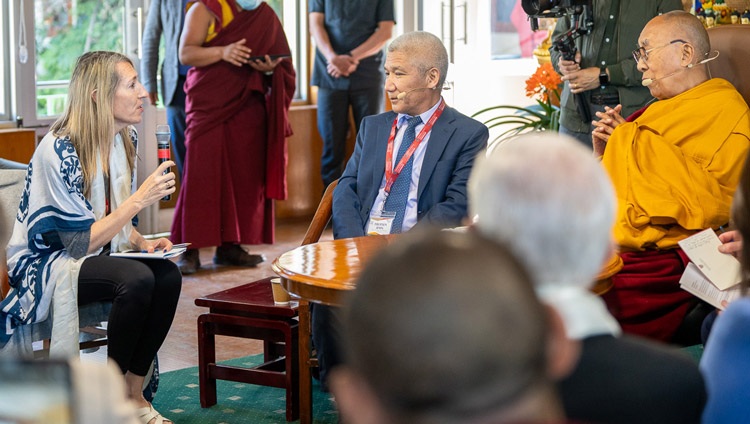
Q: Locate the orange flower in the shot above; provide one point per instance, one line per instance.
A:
(544, 81)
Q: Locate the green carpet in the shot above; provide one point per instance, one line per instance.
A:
(178, 398)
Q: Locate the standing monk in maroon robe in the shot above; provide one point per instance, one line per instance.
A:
(237, 122)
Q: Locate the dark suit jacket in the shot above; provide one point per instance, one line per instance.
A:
(631, 380)
(454, 142)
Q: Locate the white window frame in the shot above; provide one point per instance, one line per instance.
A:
(5, 64)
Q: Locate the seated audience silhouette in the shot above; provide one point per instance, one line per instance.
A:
(446, 328)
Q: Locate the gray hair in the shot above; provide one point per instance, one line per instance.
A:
(550, 201)
(425, 50)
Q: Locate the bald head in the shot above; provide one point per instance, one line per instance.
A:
(674, 48)
(685, 26)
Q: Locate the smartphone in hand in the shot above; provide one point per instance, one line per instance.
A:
(272, 56)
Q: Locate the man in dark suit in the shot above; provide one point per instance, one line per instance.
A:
(547, 199)
(416, 68)
(409, 165)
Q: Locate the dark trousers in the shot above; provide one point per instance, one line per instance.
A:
(326, 336)
(176, 121)
(144, 295)
(333, 123)
(585, 138)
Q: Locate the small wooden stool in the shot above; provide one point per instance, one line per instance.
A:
(248, 311)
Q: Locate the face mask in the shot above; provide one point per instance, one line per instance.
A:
(248, 4)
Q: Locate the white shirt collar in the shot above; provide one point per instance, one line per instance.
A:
(583, 313)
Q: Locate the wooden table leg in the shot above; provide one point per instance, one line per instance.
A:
(206, 357)
(305, 379)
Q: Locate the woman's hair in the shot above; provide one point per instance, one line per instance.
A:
(741, 218)
(89, 118)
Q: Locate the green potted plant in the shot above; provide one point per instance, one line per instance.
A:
(544, 87)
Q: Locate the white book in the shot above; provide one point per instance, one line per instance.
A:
(695, 283)
(721, 269)
(177, 250)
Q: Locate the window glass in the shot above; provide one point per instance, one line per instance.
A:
(511, 32)
(64, 30)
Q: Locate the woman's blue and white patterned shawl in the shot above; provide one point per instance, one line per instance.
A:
(42, 274)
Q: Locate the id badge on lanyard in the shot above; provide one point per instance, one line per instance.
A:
(380, 223)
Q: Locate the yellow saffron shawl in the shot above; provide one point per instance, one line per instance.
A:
(675, 168)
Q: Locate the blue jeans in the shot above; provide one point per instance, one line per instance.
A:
(176, 121)
(333, 123)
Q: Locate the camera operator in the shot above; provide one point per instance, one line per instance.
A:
(604, 72)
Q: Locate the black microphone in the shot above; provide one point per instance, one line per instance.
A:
(402, 95)
(162, 149)
(648, 81)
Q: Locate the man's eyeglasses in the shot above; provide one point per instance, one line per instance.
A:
(642, 52)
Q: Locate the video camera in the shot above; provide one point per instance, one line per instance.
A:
(580, 13)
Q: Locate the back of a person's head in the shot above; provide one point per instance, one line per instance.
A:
(445, 327)
(550, 201)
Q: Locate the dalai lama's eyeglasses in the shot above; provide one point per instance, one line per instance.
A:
(642, 52)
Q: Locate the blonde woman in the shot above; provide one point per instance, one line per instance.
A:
(79, 204)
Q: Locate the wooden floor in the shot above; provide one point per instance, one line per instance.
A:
(180, 348)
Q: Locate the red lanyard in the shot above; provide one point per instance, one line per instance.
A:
(391, 175)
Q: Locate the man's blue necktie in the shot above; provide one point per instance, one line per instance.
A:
(396, 201)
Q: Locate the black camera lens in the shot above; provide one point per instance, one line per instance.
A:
(535, 7)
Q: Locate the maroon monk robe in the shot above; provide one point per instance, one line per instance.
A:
(237, 122)
(647, 288)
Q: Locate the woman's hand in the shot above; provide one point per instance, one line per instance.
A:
(236, 53)
(603, 128)
(160, 244)
(266, 65)
(156, 186)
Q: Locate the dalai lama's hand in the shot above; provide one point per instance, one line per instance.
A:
(603, 128)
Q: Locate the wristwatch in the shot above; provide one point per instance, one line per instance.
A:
(603, 77)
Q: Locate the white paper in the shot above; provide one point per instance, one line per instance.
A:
(694, 282)
(176, 251)
(721, 269)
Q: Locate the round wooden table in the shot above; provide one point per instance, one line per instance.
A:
(321, 273)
